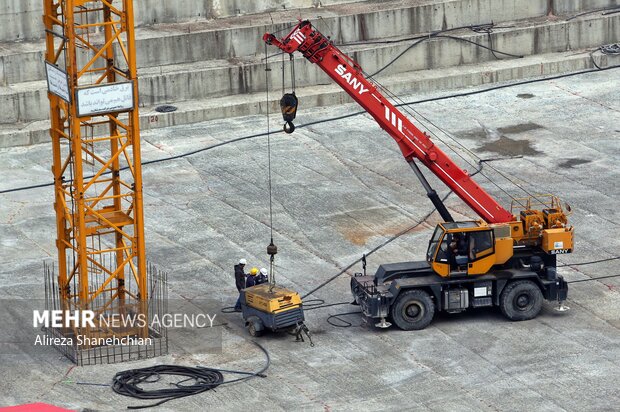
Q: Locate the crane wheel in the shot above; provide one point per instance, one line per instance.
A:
(413, 310)
(521, 300)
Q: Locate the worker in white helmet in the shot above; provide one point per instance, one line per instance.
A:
(262, 276)
(239, 281)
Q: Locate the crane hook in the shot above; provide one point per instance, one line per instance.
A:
(289, 127)
(288, 105)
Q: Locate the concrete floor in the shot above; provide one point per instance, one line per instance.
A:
(340, 189)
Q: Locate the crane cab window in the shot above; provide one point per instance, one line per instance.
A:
(462, 248)
(480, 244)
(433, 245)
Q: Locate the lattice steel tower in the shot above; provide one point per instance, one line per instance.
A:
(93, 93)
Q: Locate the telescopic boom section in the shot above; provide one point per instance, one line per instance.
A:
(413, 143)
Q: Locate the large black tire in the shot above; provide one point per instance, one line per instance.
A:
(521, 300)
(413, 310)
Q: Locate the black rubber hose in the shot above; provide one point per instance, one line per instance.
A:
(201, 379)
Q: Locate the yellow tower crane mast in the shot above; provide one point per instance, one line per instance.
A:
(93, 93)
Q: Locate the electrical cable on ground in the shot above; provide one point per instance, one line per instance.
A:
(592, 279)
(590, 262)
(607, 49)
(271, 249)
(321, 306)
(202, 379)
(344, 323)
(335, 118)
(376, 248)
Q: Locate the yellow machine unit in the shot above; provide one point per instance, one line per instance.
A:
(272, 299)
(272, 307)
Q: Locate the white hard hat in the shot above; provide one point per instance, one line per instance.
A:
(263, 271)
(243, 261)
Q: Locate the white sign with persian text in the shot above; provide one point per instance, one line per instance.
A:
(108, 98)
(57, 82)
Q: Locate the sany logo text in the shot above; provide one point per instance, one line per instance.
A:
(341, 70)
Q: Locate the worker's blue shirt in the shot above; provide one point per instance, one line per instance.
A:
(250, 281)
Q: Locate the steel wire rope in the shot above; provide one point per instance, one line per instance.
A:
(272, 279)
(402, 103)
(484, 28)
(436, 136)
(467, 150)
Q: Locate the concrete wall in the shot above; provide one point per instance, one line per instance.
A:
(21, 19)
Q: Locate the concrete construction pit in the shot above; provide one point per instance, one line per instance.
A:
(542, 117)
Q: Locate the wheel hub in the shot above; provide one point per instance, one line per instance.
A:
(523, 301)
(413, 311)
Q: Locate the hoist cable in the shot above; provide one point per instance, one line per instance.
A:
(267, 70)
(293, 73)
(272, 279)
(283, 82)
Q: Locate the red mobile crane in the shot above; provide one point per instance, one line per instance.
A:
(502, 260)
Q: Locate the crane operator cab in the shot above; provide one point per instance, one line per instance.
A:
(468, 248)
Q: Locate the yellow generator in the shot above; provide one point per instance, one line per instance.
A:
(271, 307)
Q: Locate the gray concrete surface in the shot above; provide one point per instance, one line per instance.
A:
(341, 188)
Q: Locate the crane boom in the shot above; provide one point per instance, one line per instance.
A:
(413, 143)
